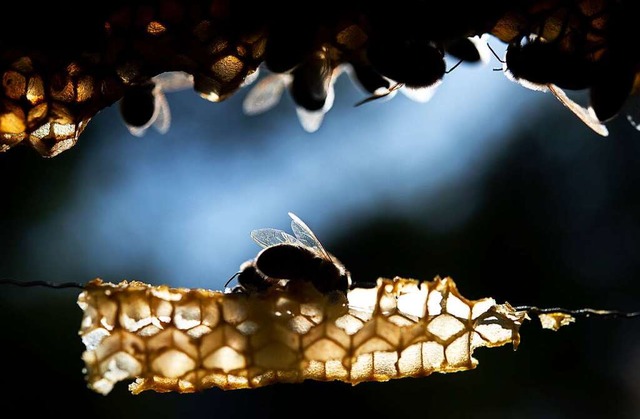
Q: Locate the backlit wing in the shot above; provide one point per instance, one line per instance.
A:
(584, 114)
(267, 237)
(304, 234)
(265, 94)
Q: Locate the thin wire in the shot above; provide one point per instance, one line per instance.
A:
(584, 312)
(41, 284)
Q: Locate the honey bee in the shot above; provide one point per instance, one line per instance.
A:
(416, 63)
(541, 66)
(286, 258)
(616, 81)
(312, 80)
(145, 105)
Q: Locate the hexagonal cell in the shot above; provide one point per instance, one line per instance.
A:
(14, 84)
(234, 310)
(413, 302)
(432, 356)
(445, 326)
(225, 359)
(187, 315)
(224, 335)
(378, 335)
(457, 307)
(149, 330)
(410, 360)
(35, 90)
(108, 310)
(248, 327)
(300, 324)
(37, 114)
(433, 303)
(198, 331)
(210, 314)
(362, 368)
(363, 299)
(120, 366)
(276, 332)
(172, 364)
(62, 88)
(12, 119)
(481, 307)
(324, 350)
(312, 311)
(134, 313)
(172, 339)
(163, 310)
(93, 338)
(276, 356)
(384, 365)
(458, 352)
(84, 88)
(349, 324)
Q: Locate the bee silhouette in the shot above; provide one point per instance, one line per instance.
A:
(287, 258)
(531, 65)
(145, 105)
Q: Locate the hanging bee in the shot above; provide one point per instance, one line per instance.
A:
(286, 258)
(145, 105)
(530, 65)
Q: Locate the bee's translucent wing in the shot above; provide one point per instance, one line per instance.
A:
(265, 93)
(586, 115)
(385, 93)
(162, 114)
(174, 81)
(138, 131)
(310, 120)
(304, 234)
(267, 237)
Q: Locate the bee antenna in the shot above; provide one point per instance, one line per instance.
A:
(231, 279)
(494, 53)
(454, 67)
(378, 96)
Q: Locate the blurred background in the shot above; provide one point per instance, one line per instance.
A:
(497, 186)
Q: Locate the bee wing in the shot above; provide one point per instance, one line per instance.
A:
(310, 120)
(304, 234)
(162, 115)
(173, 81)
(267, 237)
(265, 94)
(587, 116)
(382, 93)
(137, 131)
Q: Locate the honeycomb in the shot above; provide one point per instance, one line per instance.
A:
(84, 61)
(187, 340)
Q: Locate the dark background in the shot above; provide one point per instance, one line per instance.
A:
(497, 186)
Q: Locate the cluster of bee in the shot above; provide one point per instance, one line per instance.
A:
(134, 51)
(287, 260)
